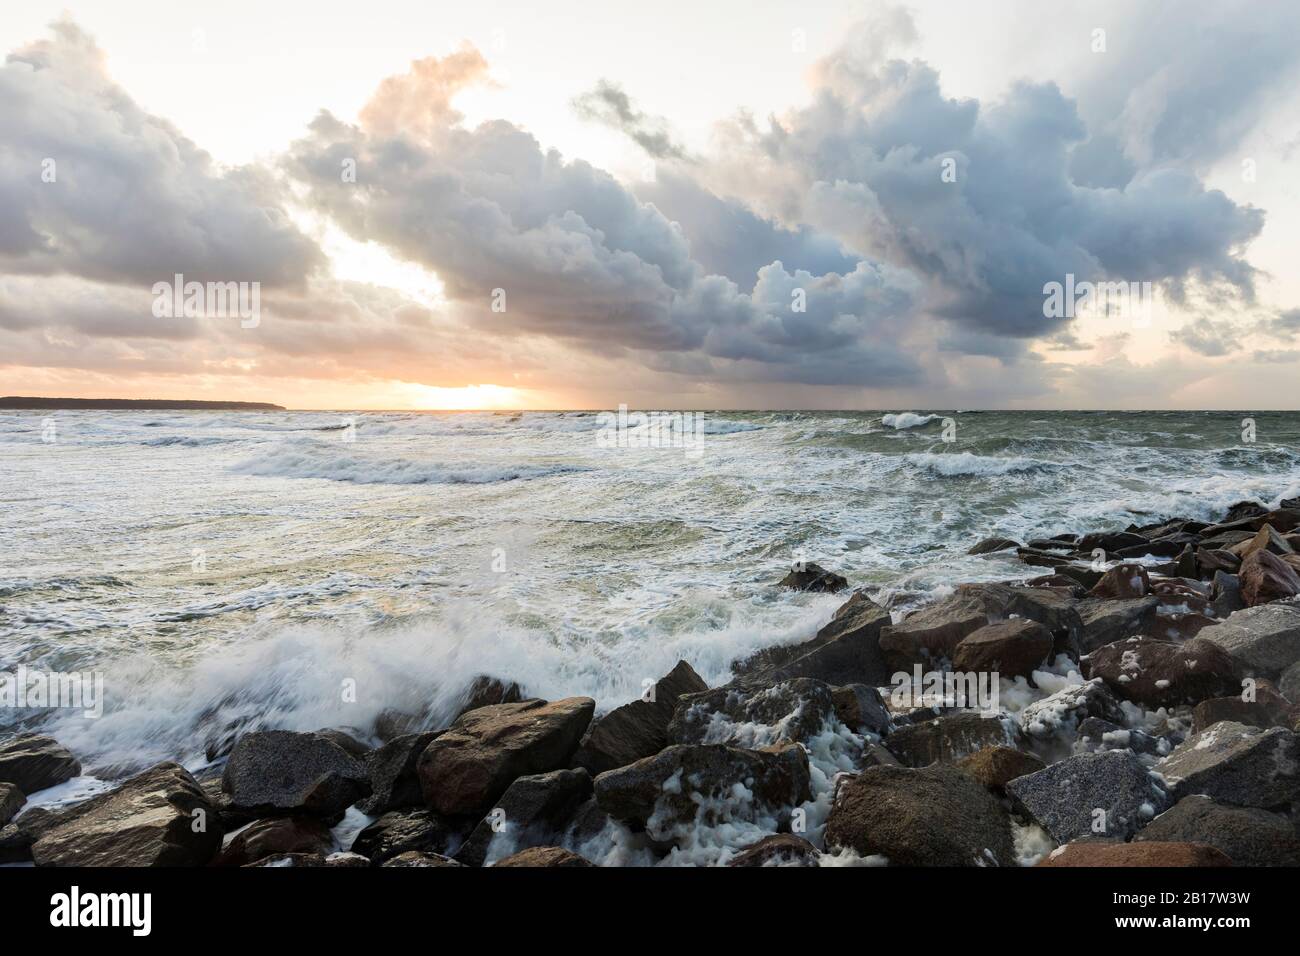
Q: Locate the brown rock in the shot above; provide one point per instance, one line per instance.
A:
(471, 764)
(1123, 582)
(932, 633)
(33, 762)
(995, 767)
(544, 856)
(1265, 577)
(1268, 709)
(947, 739)
(1014, 648)
(639, 728)
(1165, 674)
(1146, 853)
(937, 816)
(780, 849)
(274, 836)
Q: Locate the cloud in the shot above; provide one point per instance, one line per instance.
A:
(131, 200)
(610, 106)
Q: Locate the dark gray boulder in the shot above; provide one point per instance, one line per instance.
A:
(639, 728)
(1110, 795)
(33, 762)
(272, 772)
(1236, 764)
(948, 739)
(753, 715)
(1249, 836)
(532, 812)
(400, 831)
(394, 783)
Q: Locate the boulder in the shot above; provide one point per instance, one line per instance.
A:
(813, 577)
(948, 739)
(1106, 621)
(930, 635)
(1164, 674)
(1236, 764)
(1209, 561)
(274, 836)
(779, 849)
(157, 818)
(845, 651)
(1014, 648)
(33, 762)
(11, 801)
(995, 767)
(1054, 608)
(1109, 794)
(1289, 683)
(791, 711)
(347, 741)
(532, 812)
(1136, 854)
(861, 708)
(991, 545)
(414, 858)
(713, 781)
(1124, 582)
(394, 783)
(547, 856)
(1062, 712)
(1109, 541)
(1263, 640)
(1246, 835)
(273, 772)
(484, 691)
(401, 831)
(935, 816)
(639, 728)
(1265, 578)
(471, 764)
(1265, 539)
(1268, 708)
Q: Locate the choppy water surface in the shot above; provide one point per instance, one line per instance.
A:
(239, 563)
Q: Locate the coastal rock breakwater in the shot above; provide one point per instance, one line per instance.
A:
(1139, 705)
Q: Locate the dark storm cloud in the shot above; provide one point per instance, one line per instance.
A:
(609, 105)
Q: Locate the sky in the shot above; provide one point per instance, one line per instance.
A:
(726, 205)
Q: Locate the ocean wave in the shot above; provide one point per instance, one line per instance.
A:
(324, 462)
(187, 441)
(904, 420)
(965, 464)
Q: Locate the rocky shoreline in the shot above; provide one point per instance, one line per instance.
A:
(1148, 689)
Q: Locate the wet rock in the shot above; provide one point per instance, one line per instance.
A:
(1263, 640)
(1136, 854)
(931, 635)
(1041, 558)
(1014, 648)
(158, 818)
(485, 691)
(1108, 794)
(394, 783)
(1096, 734)
(33, 762)
(400, 831)
(637, 729)
(279, 771)
(546, 856)
(392, 723)
(948, 739)
(936, 816)
(1245, 509)
(1209, 561)
(861, 708)
(1081, 574)
(1109, 541)
(1236, 764)
(274, 836)
(414, 858)
(683, 782)
(991, 545)
(532, 812)
(311, 860)
(11, 801)
(845, 651)
(1265, 539)
(1265, 578)
(1063, 711)
(1289, 683)
(813, 577)
(469, 766)
(780, 849)
(1106, 621)
(1246, 835)
(791, 711)
(1124, 582)
(995, 767)
(347, 741)
(1268, 709)
(1054, 608)
(1164, 674)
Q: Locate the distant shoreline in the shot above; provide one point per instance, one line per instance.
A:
(134, 404)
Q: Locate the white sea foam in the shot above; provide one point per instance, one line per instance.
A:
(961, 464)
(904, 420)
(332, 463)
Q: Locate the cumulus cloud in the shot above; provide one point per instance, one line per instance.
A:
(94, 186)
